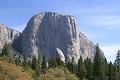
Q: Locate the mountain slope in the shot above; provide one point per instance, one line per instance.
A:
(58, 74)
(9, 71)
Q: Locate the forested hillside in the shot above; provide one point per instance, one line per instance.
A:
(21, 68)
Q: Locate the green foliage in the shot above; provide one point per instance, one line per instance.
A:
(59, 62)
(29, 63)
(24, 63)
(89, 68)
(52, 63)
(112, 72)
(6, 50)
(44, 64)
(18, 60)
(71, 65)
(56, 62)
(58, 74)
(80, 71)
(34, 63)
(98, 67)
(106, 68)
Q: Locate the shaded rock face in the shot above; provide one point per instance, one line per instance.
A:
(7, 35)
(87, 48)
(47, 31)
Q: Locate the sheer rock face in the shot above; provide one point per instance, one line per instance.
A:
(49, 34)
(7, 35)
(87, 48)
(45, 32)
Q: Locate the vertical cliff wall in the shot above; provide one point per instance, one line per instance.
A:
(47, 32)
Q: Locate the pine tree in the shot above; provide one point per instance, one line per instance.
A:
(39, 60)
(74, 67)
(71, 66)
(59, 61)
(17, 60)
(34, 63)
(106, 68)
(103, 69)
(89, 68)
(6, 50)
(111, 72)
(117, 61)
(52, 63)
(29, 63)
(80, 70)
(98, 66)
(24, 63)
(38, 68)
(44, 64)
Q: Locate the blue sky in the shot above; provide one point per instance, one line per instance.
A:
(99, 20)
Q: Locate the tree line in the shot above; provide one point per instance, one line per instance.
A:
(85, 69)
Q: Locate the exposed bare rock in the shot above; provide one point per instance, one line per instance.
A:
(50, 34)
(61, 55)
(47, 31)
(87, 47)
(7, 35)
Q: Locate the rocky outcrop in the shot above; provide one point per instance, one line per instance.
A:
(87, 47)
(47, 32)
(7, 35)
(60, 55)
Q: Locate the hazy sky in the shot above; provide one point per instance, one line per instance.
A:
(99, 20)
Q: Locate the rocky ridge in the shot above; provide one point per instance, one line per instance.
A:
(7, 35)
(52, 34)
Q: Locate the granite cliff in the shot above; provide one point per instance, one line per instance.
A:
(7, 35)
(48, 32)
(52, 34)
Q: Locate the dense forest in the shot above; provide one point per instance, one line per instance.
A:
(87, 69)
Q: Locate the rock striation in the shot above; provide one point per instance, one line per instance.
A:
(87, 47)
(49, 34)
(46, 32)
(7, 35)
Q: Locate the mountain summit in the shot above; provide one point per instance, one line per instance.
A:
(47, 32)
(53, 34)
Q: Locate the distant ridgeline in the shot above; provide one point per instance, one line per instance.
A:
(49, 34)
